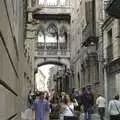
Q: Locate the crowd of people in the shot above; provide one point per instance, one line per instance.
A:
(69, 106)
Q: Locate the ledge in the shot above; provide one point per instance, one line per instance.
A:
(66, 17)
(10, 118)
(5, 85)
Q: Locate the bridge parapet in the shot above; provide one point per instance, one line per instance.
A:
(57, 3)
(52, 53)
(50, 7)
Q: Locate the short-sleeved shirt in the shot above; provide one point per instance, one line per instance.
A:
(40, 107)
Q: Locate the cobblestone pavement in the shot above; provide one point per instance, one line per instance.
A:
(94, 117)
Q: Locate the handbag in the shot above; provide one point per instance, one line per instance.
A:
(75, 117)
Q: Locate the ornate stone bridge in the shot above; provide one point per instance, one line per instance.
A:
(48, 32)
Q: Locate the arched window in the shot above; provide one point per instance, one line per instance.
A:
(52, 36)
(40, 37)
(41, 40)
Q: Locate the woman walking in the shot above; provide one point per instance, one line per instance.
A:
(67, 109)
(114, 108)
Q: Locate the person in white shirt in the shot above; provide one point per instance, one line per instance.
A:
(100, 102)
(114, 108)
(67, 109)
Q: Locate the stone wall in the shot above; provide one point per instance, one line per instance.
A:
(15, 72)
(112, 71)
(77, 24)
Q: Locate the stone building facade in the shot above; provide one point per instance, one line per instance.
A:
(86, 44)
(15, 68)
(48, 33)
(111, 48)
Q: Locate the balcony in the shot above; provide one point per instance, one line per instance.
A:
(40, 45)
(52, 53)
(113, 8)
(48, 45)
(89, 35)
(54, 11)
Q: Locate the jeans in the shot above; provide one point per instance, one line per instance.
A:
(88, 114)
(101, 111)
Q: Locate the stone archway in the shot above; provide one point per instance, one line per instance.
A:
(43, 61)
(51, 62)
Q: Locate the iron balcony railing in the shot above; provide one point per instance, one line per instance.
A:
(47, 45)
(50, 45)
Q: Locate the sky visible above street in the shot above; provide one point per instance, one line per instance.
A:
(45, 70)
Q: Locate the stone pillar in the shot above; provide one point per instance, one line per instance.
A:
(68, 41)
(58, 40)
(106, 91)
(118, 37)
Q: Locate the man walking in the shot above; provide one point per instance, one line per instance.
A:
(88, 102)
(100, 102)
(40, 108)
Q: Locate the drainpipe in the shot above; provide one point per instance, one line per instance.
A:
(105, 78)
(106, 90)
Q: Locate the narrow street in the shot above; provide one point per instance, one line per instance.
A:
(59, 59)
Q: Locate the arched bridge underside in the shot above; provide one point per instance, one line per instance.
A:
(56, 61)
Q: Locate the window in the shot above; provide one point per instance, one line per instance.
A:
(110, 46)
(41, 40)
(52, 35)
(109, 34)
